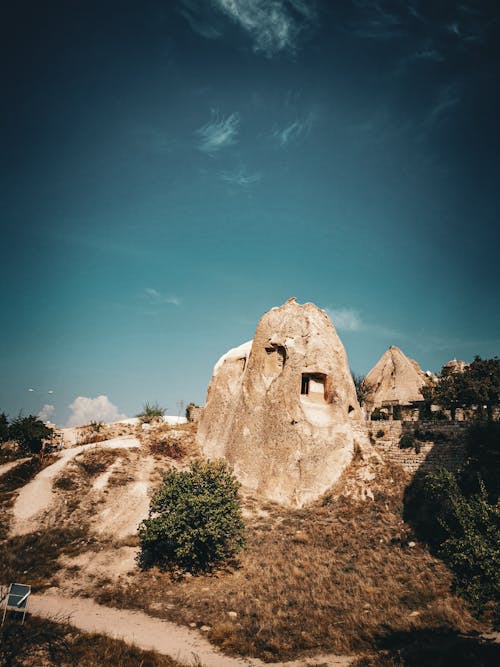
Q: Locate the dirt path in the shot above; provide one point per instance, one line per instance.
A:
(147, 632)
(5, 467)
(36, 496)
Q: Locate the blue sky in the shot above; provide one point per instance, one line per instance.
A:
(172, 170)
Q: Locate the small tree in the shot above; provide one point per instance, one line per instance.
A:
(481, 384)
(478, 385)
(30, 433)
(194, 520)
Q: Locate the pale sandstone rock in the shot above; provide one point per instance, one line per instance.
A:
(282, 409)
(395, 378)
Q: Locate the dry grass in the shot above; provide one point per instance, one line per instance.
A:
(79, 473)
(13, 480)
(34, 556)
(333, 577)
(45, 642)
(98, 432)
(176, 442)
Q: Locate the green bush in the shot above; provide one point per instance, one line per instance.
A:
(466, 533)
(483, 451)
(29, 432)
(4, 427)
(194, 520)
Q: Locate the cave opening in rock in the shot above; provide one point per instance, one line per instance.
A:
(275, 360)
(313, 386)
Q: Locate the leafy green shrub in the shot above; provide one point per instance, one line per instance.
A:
(194, 520)
(466, 533)
(483, 451)
(4, 427)
(151, 412)
(29, 432)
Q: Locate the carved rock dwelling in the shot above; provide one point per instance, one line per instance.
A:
(394, 380)
(282, 409)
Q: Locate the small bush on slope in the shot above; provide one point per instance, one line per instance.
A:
(464, 530)
(195, 519)
(29, 432)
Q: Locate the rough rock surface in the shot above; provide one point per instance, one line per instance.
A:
(395, 377)
(282, 409)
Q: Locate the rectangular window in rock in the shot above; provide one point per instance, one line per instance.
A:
(313, 386)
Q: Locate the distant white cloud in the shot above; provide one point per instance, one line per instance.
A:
(293, 131)
(240, 177)
(345, 319)
(46, 412)
(85, 410)
(200, 18)
(155, 297)
(219, 133)
(273, 25)
(447, 98)
(349, 319)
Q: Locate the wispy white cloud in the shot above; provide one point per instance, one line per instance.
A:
(200, 18)
(350, 319)
(46, 412)
(85, 410)
(219, 133)
(157, 298)
(378, 21)
(273, 25)
(345, 319)
(294, 130)
(432, 55)
(446, 99)
(241, 177)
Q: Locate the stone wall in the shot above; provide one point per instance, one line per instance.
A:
(438, 443)
(193, 412)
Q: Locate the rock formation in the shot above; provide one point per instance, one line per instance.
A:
(395, 378)
(454, 366)
(282, 409)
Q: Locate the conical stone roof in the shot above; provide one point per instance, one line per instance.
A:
(395, 377)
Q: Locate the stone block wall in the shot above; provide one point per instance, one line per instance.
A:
(439, 443)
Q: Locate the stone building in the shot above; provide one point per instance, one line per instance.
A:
(395, 380)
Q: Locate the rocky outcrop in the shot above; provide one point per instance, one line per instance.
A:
(282, 409)
(395, 378)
